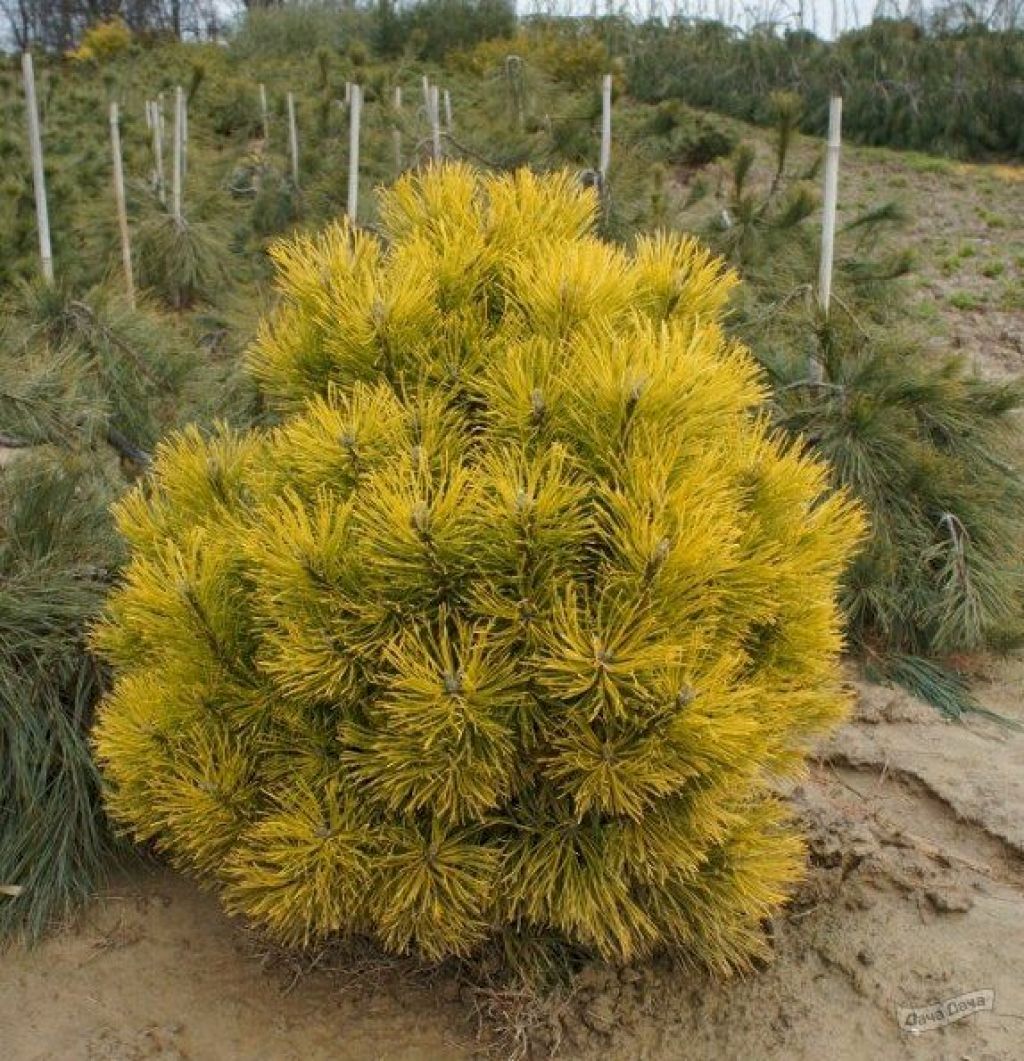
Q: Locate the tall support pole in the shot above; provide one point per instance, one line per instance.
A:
(179, 100)
(355, 115)
(447, 111)
(828, 221)
(606, 126)
(293, 139)
(122, 209)
(816, 366)
(161, 123)
(157, 128)
(264, 116)
(396, 133)
(435, 121)
(35, 143)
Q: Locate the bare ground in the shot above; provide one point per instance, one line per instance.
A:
(966, 232)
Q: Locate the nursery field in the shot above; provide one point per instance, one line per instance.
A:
(917, 855)
(241, 820)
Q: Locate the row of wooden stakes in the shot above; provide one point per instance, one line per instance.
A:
(433, 97)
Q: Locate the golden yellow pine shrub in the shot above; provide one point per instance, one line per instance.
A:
(103, 41)
(511, 623)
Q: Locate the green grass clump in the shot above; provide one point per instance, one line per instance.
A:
(966, 301)
(932, 451)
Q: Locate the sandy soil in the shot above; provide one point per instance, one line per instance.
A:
(966, 230)
(914, 894)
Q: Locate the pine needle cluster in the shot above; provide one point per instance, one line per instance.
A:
(57, 550)
(933, 452)
(508, 626)
(86, 384)
(930, 449)
(77, 366)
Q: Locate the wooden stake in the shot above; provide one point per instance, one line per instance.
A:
(396, 133)
(157, 129)
(426, 94)
(434, 111)
(516, 88)
(122, 210)
(355, 113)
(179, 107)
(265, 116)
(161, 134)
(184, 138)
(35, 142)
(447, 110)
(293, 139)
(828, 221)
(606, 126)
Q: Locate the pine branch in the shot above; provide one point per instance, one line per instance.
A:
(126, 448)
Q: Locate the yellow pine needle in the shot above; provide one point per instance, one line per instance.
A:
(512, 621)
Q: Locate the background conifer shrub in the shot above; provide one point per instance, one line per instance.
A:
(103, 41)
(509, 625)
(87, 384)
(55, 566)
(930, 448)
